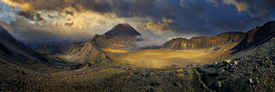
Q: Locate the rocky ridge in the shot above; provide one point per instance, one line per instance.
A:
(233, 41)
(203, 42)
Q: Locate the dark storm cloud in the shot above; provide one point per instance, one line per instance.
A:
(262, 3)
(69, 23)
(30, 15)
(262, 9)
(70, 13)
(223, 16)
(38, 16)
(50, 16)
(27, 14)
(197, 16)
(202, 17)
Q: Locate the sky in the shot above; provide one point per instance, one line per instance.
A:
(158, 21)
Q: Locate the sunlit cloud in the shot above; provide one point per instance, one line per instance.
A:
(157, 20)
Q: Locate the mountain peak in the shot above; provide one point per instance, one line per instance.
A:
(123, 25)
(122, 30)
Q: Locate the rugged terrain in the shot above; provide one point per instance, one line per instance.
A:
(220, 40)
(232, 42)
(231, 61)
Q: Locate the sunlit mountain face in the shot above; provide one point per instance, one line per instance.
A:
(137, 45)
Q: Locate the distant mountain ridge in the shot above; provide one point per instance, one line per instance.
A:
(235, 41)
(203, 42)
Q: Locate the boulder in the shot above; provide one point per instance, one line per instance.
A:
(218, 85)
(152, 74)
(219, 71)
(225, 62)
(215, 64)
(187, 72)
(179, 70)
(250, 81)
(178, 84)
(235, 62)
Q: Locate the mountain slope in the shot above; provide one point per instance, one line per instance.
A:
(103, 41)
(52, 48)
(203, 42)
(119, 37)
(122, 36)
(122, 30)
(256, 36)
(84, 53)
(231, 41)
(12, 49)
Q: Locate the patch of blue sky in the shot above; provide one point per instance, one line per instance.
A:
(7, 14)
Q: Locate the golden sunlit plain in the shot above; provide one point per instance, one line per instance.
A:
(114, 50)
(153, 58)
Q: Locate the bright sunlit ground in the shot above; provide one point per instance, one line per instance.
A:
(153, 58)
(114, 50)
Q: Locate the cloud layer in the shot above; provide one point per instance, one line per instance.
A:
(157, 20)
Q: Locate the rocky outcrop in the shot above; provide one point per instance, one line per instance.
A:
(87, 55)
(256, 37)
(12, 49)
(84, 53)
(103, 41)
(203, 42)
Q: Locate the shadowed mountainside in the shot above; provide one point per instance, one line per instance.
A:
(12, 49)
(55, 47)
(256, 36)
